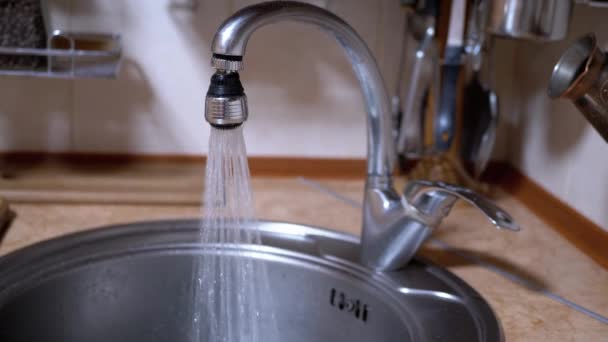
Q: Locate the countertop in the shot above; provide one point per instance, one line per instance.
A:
(537, 253)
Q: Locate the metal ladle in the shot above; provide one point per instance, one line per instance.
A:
(481, 102)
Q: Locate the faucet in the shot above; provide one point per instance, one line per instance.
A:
(394, 226)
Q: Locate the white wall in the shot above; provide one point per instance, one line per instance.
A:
(304, 99)
(551, 141)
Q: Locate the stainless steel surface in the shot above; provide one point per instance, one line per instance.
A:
(487, 136)
(232, 37)
(445, 118)
(133, 283)
(420, 78)
(224, 64)
(408, 225)
(457, 23)
(544, 20)
(72, 55)
(94, 54)
(593, 3)
(581, 75)
(226, 111)
(435, 199)
(480, 117)
(390, 227)
(476, 37)
(189, 5)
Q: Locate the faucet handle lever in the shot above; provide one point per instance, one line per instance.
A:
(435, 199)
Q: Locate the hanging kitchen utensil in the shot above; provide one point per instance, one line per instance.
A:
(543, 20)
(418, 79)
(480, 115)
(445, 119)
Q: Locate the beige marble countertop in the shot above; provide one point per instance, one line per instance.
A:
(537, 252)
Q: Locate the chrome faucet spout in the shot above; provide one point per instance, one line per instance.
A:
(231, 39)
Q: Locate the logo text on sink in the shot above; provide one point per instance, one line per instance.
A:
(341, 301)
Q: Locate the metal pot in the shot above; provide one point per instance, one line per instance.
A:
(581, 75)
(544, 20)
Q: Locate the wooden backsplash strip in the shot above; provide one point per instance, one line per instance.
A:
(259, 166)
(29, 177)
(24, 157)
(308, 167)
(576, 228)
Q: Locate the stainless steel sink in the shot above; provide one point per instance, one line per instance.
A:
(133, 283)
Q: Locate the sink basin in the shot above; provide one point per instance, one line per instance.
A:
(133, 283)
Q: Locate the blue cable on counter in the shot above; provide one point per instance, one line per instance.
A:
(472, 258)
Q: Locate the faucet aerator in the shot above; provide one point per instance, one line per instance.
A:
(226, 102)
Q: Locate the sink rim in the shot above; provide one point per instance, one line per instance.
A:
(38, 260)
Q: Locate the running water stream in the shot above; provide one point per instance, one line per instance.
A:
(231, 292)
